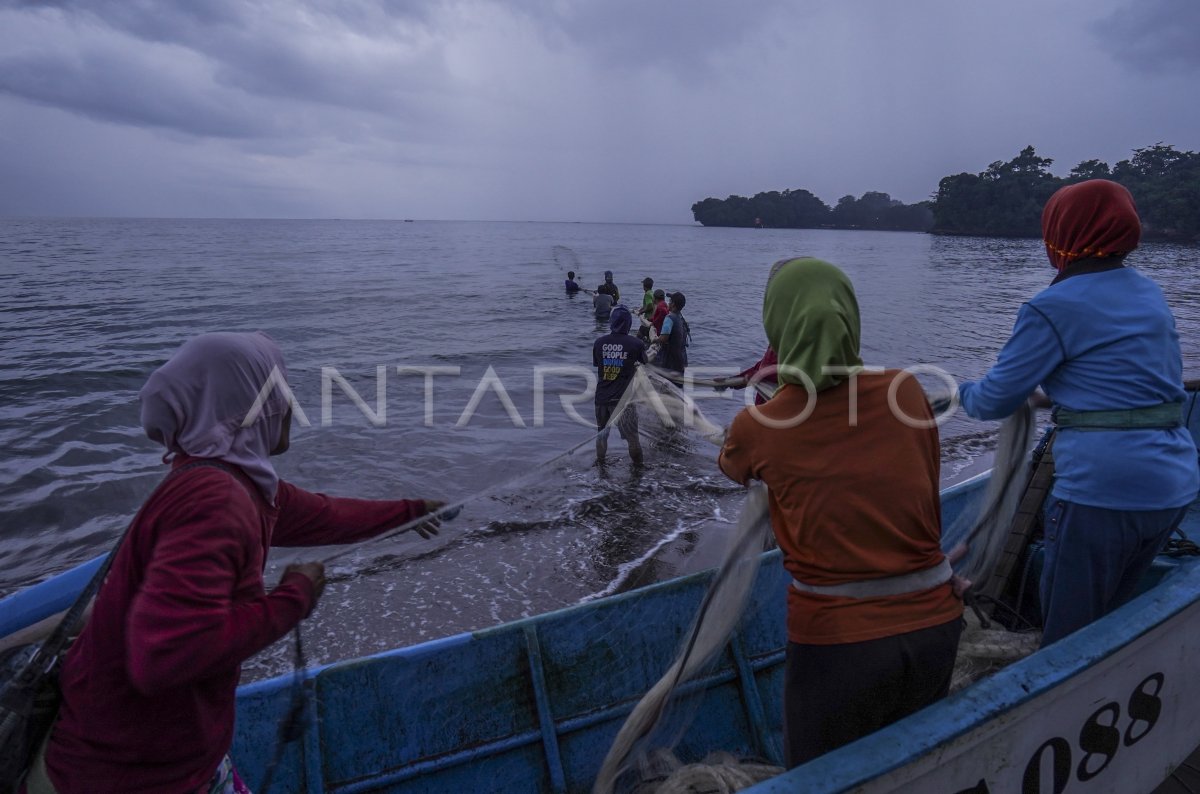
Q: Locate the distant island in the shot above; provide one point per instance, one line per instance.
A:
(1004, 201)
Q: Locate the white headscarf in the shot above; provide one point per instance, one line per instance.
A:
(197, 402)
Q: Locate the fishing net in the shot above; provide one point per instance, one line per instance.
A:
(673, 431)
(980, 533)
(675, 420)
(532, 537)
(718, 616)
(977, 536)
(567, 260)
(718, 773)
(984, 648)
(675, 411)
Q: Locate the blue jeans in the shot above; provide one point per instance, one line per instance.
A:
(1094, 560)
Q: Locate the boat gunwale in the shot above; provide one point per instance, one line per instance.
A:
(1016, 685)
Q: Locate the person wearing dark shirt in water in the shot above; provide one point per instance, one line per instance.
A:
(571, 286)
(616, 356)
(609, 288)
(602, 304)
(674, 337)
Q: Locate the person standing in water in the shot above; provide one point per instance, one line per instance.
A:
(616, 356)
(570, 285)
(661, 310)
(602, 304)
(609, 288)
(646, 310)
(675, 336)
(765, 365)
(148, 688)
(851, 462)
(1101, 343)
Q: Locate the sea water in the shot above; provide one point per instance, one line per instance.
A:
(459, 346)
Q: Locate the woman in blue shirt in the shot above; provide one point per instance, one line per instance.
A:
(1102, 344)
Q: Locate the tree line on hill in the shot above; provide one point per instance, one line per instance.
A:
(799, 209)
(1005, 200)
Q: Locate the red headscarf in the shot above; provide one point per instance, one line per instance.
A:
(1090, 220)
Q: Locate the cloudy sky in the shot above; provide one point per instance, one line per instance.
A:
(595, 110)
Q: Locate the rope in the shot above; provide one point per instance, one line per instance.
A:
(763, 389)
(452, 509)
(725, 598)
(983, 650)
(1183, 546)
(718, 773)
(994, 517)
(291, 727)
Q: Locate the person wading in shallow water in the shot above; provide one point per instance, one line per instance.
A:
(602, 304)
(675, 336)
(148, 688)
(872, 619)
(1102, 344)
(765, 365)
(609, 288)
(616, 356)
(661, 310)
(646, 311)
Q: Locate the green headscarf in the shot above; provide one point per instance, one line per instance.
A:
(811, 318)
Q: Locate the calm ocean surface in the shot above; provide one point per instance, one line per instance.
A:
(89, 307)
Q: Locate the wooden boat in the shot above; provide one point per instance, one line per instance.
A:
(534, 705)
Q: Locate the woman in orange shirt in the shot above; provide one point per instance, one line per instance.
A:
(850, 456)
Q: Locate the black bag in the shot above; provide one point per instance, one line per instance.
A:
(29, 700)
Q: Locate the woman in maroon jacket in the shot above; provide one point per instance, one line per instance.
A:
(149, 686)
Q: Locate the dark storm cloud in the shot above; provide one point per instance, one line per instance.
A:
(1156, 35)
(120, 90)
(293, 55)
(361, 56)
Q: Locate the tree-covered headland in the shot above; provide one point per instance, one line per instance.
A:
(1005, 200)
(799, 209)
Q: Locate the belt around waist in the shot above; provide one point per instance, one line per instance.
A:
(888, 586)
(1163, 415)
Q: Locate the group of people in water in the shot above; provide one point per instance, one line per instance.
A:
(873, 620)
(663, 338)
(660, 316)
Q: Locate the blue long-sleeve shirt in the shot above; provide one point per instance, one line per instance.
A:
(1093, 342)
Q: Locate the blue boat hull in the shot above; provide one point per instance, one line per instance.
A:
(531, 705)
